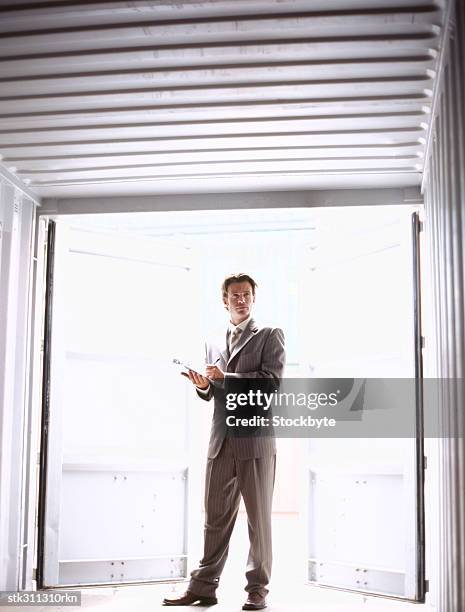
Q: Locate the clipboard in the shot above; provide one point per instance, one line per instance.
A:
(188, 367)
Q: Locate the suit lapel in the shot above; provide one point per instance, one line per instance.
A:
(225, 352)
(247, 335)
(218, 347)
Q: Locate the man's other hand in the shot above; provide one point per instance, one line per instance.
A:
(197, 379)
(213, 372)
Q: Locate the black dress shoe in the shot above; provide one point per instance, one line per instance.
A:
(189, 598)
(255, 601)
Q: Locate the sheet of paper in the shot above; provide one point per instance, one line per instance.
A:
(187, 365)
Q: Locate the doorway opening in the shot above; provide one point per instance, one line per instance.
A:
(126, 437)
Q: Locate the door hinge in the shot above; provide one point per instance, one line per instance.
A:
(425, 462)
(421, 226)
(422, 341)
(34, 573)
(426, 586)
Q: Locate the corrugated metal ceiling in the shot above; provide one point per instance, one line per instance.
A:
(211, 94)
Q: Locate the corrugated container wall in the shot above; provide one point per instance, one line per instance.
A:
(444, 190)
(16, 235)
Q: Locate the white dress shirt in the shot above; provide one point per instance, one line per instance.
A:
(231, 329)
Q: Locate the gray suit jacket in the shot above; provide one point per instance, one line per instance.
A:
(259, 354)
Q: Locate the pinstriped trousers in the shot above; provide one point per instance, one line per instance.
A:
(227, 478)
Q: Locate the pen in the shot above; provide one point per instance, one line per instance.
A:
(213, 364)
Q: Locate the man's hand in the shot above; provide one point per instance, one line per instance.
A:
(213, 372)
(197, 379)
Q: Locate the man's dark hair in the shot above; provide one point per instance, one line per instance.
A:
(241, 277)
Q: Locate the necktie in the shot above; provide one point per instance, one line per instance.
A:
(233, 340)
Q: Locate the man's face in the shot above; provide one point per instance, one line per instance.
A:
(239, 301)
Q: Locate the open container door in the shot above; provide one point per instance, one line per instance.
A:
(116, 464)
(364, 497)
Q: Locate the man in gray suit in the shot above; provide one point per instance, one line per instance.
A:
(237, 465)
